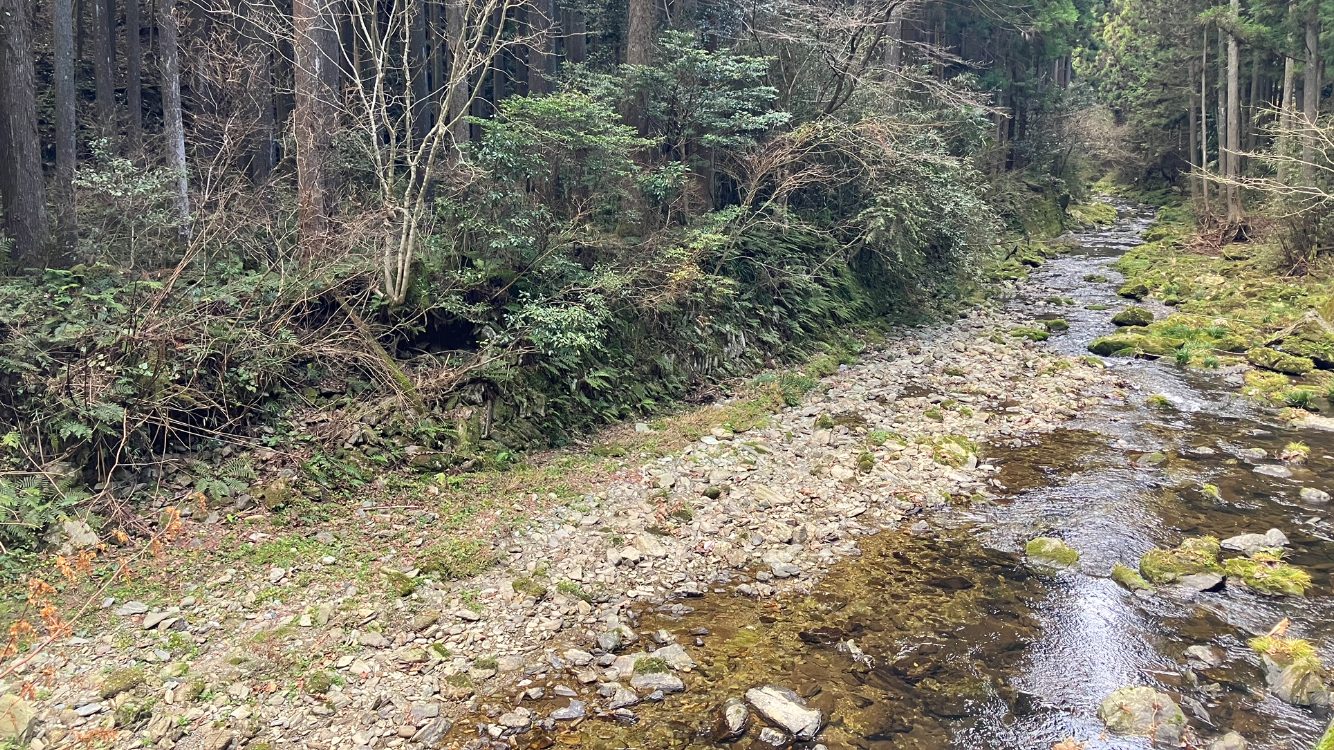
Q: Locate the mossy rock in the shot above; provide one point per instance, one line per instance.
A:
(1130, 578)
(1052, 551)
(1267, 573)
(1056, 325)
(1311, 338)
(1327, 739)
(120, 681)
(652, 665)
(1276, 361)
(1136, 290)
(400, 583)
(1087, 215)
(1133, 316)
(319, 683)
(1194, 555)
(132, 713)
(1292, 669)
(1032, 334)
(1132, 344)
(529, 587)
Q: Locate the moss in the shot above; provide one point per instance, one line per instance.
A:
(651, 665)
(1286, 651)
(1194, 555)
(824, 422)
(1056, 325)
(1136, 290)
(1265, 385)
(713, 492)
(400, 583)
(1127, 344)
(120, 681)
(529, 587)
(1130, 578)
(1088, 215)
(132, 713)
(934, 413)
(1096, 278)
(1277, 361)
(319, 682)
(486, 662)
(1133, 316)
(1159, 402)
(1327, 739)
(1031, 334)
(1267, 573)
(455, 559)
(850, 419)
(865, 462)
(951, 450)
(1050, 550)
(573, 590)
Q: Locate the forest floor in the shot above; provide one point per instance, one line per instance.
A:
(381, 626)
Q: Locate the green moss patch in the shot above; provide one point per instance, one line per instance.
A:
(1130, 578)
(1127, 344)
(1133, 316)
(1277, 361)
(1195, 555)
(1267, 573)
(1050, 550)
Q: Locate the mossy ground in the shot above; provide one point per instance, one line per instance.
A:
(1230, 306)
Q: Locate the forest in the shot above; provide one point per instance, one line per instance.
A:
(466, 227)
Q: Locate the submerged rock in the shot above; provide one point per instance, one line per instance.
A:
(1229, 741)
(1194, 555)
(1130, 578)
(733, 722)
(1051, 551)
(1313, 495)
(1143, 712)
(786, 709)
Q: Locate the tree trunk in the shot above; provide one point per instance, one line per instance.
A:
(437, 33)
(173, 128)
(576, 35)
(417, 68)
(62, 59)
(1311, 91)
(1220, 107)
(1197, 176)
(134, 79)
(104, 67)
(540, 22)
(640, 31)
(456, 98)
(1204, 122)
(259, 89)
(21, 164)
(1234, 211)
(315, 44)
(1252, 121)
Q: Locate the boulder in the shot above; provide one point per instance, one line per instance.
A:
(784, 708)
(1133, 316)
(1143, 712)
(16, 716)
(1051, 551)
(733, 721)
(1192, 556)
(1253, 543)
(1273, 359)
(1292, 670)
(1229, 741)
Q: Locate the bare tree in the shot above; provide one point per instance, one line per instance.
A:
(20, 155)
(173, 124)
(407, 159)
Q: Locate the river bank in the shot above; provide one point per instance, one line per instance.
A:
(369, 633)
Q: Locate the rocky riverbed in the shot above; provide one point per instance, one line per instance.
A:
(256, 656)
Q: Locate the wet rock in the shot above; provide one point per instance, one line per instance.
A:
(1292, 669)
(1273, 470)
(733, 722)
(676, 657)
(1143, 712)
(574, 711)
(773, 737)
(651, 681)
(1273, 359)
(1252, 543)
(1313, 495)
(518, 720)
(1051, 551)
(1208, 656)
(1194, 555)
(1130, 578)
(1198, 582)
(784, 708)
(16, 720)
(1229, 741)
(622, 697)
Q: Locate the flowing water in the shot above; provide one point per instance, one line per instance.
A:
(960, 644)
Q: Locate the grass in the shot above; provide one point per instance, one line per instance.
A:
(1267, 573)
(651, 665)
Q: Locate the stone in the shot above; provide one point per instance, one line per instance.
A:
(622, 697)
(1209, 656)
(572, 712)
(733, 722)
(1252, 543)
(129, 609)
(420, 712)
(1198, 582)
(1143, 712)
(772, 737)
(676, 657)
(1229, 741)
(784, 708)
(610, 641)
(519, 719)
(578, 657)
(1133, 316)
(651, 681)
(1313, 495)
(1273, 470)
(16, 720)
(433, 733)
(1051, 551)
(649, 546)
(78, 535)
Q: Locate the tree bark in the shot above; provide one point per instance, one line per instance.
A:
(259, 90)
(1311, 90)
(1204, 122)
(1220, 106)
(104, 67)
(640, 31)
(62, 59)
(1234, 210)
(315, 44)
(540, 22)
(456, 98)
(576, 35)
(1197, 175)
(417, 69)
(20, 153)
(173, 126)
(134, 83)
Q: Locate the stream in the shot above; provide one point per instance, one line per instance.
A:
(959, 643)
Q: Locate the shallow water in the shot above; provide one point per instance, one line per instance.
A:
(960, 644)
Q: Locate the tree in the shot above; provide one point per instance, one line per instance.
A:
(1311, 87)
(134, 58)
(641, 28)
(173, 122)
(1233, 171)
(104, 65)
(315, 43)
(20, 166)
(62, 54)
